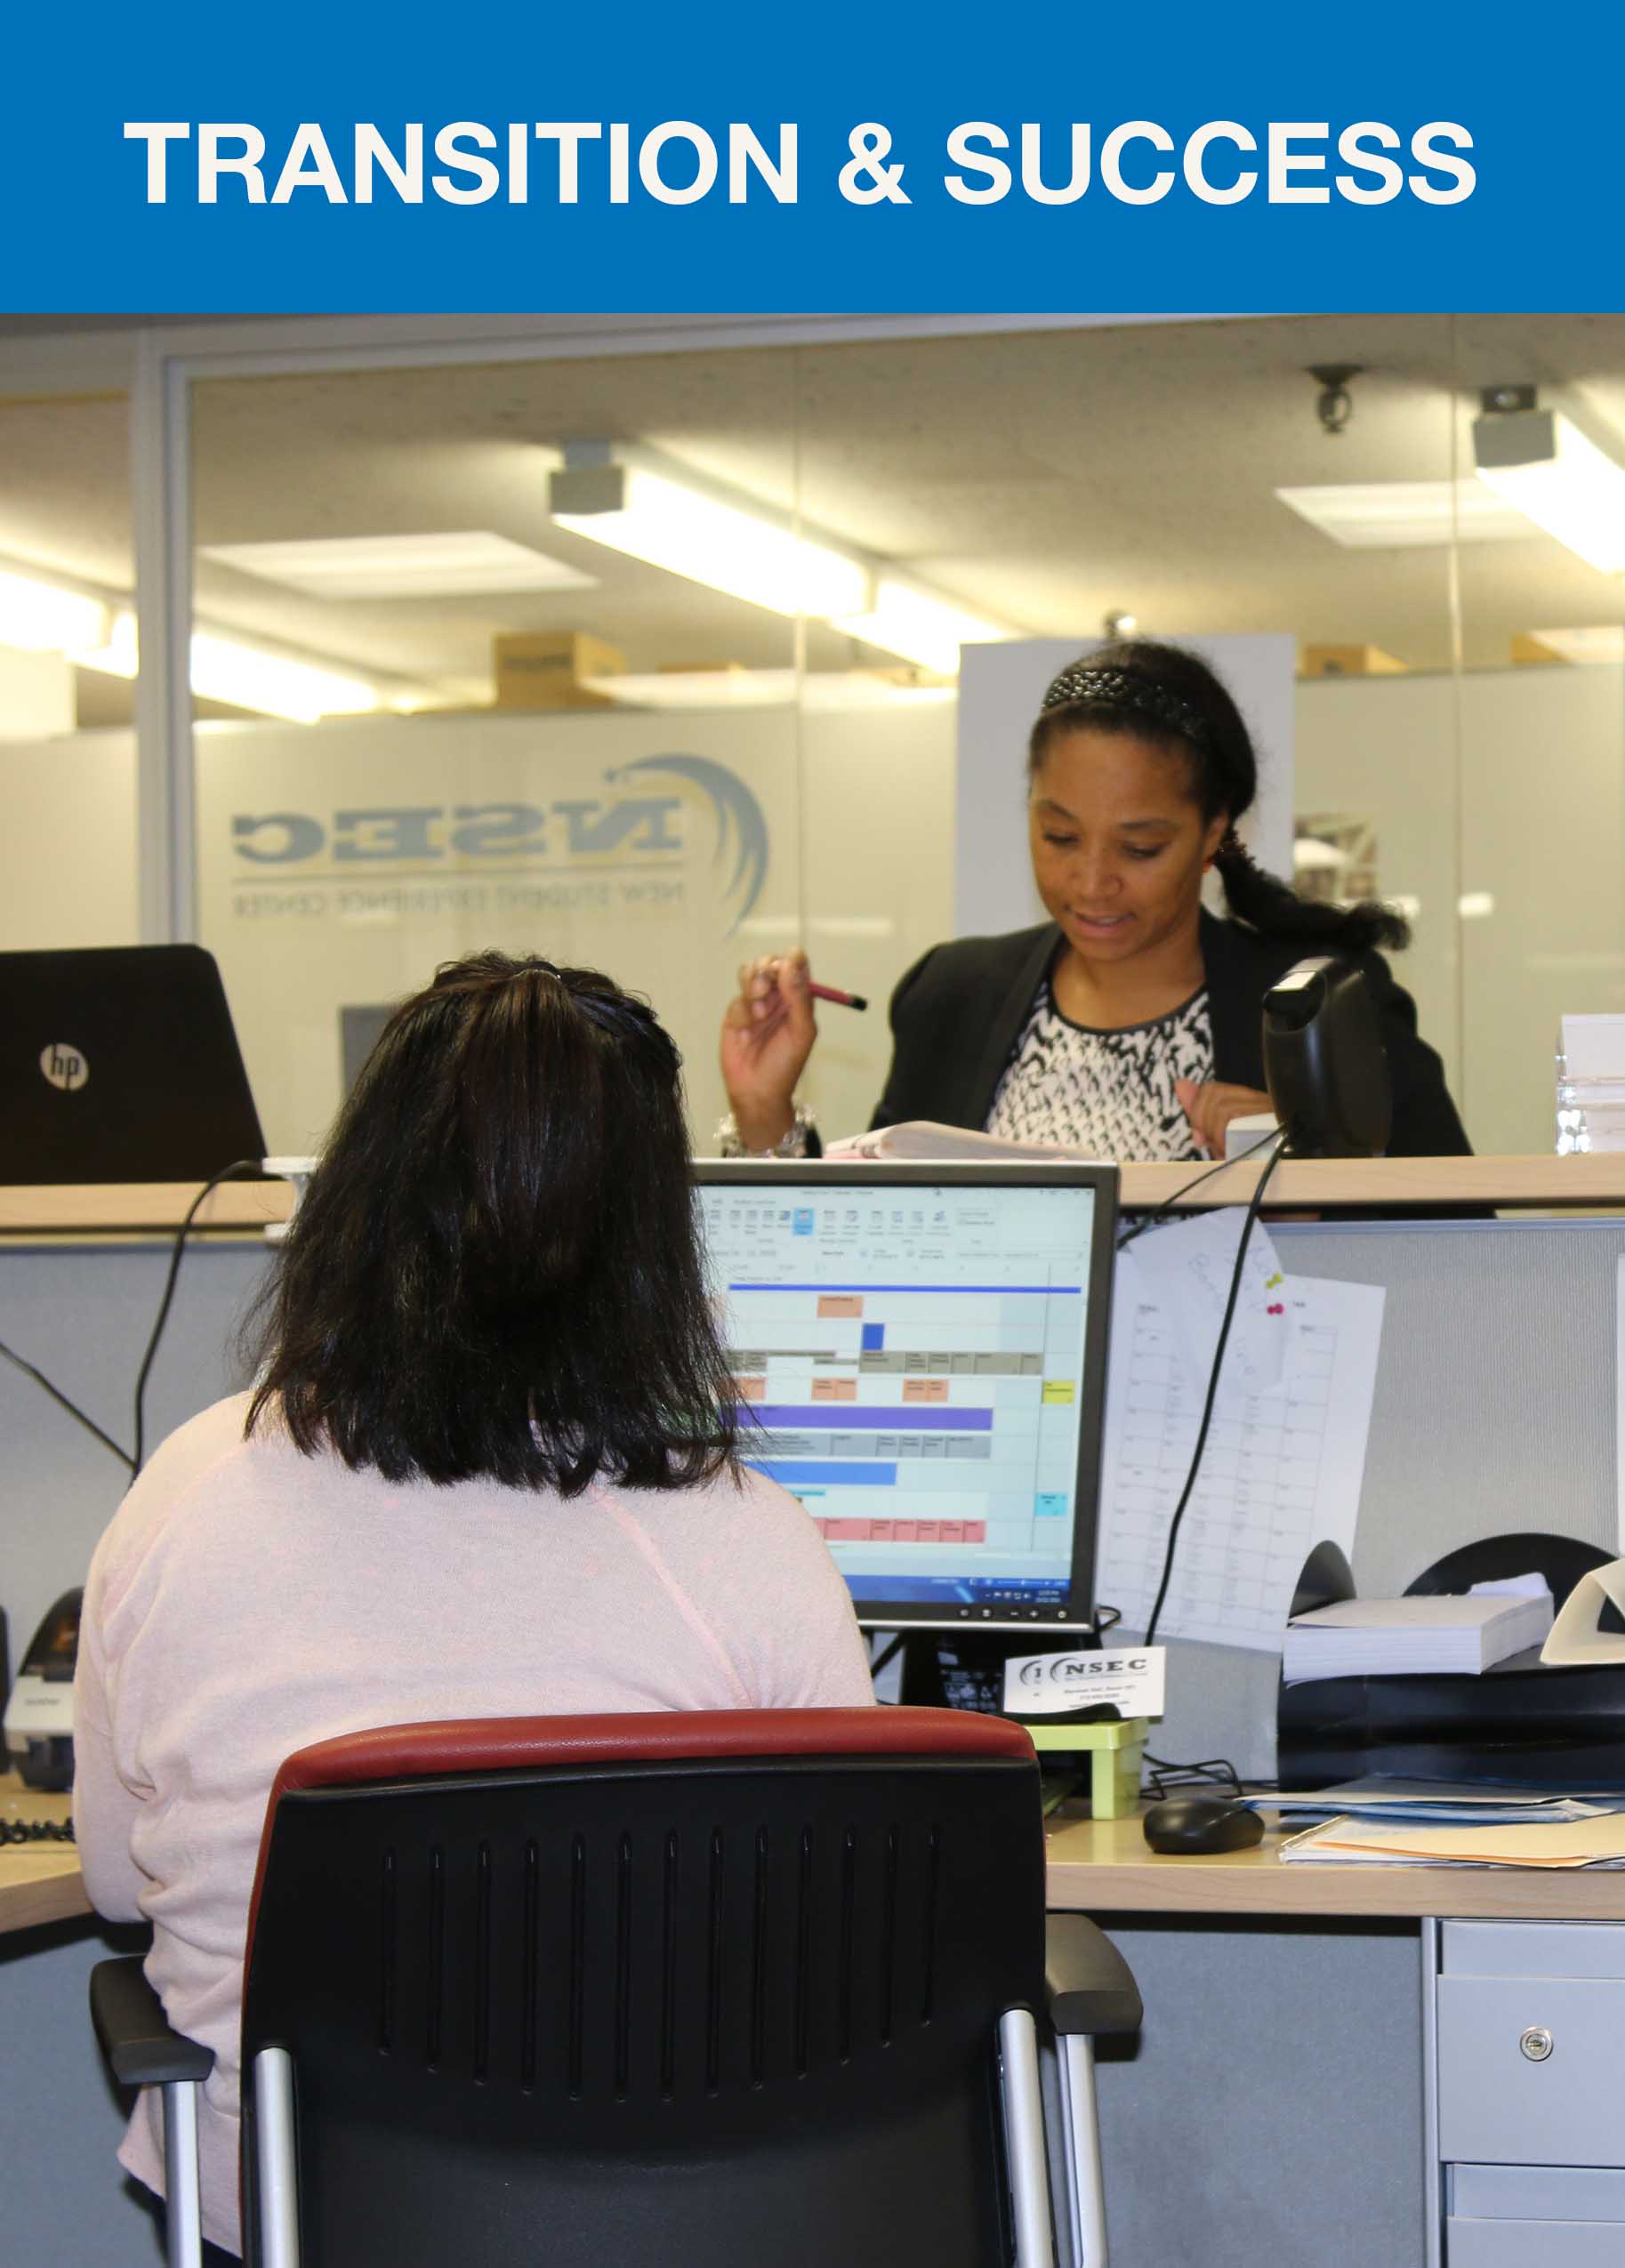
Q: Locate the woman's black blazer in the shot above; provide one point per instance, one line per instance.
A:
(957, 1016)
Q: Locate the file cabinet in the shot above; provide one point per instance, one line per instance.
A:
(1525, 2026)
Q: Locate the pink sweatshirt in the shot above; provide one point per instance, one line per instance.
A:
(247, 1600)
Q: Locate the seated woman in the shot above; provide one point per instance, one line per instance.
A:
(488, 1469)
(1128, 1024)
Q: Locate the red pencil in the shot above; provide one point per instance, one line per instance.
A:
(837, 1000)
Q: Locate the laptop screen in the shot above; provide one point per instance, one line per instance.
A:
(919, 1356)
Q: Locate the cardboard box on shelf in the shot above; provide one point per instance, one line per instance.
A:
(544, 669)
(1347, 661)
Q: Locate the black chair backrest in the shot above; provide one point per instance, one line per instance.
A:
(652, 2004)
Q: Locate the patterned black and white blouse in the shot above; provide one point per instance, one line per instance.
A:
(1110, 1094)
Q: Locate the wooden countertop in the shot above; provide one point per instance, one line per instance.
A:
(1103, 1866)
(39, 1882)
(1544, 1183)
(1096, 1866)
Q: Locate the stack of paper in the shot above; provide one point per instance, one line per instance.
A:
(1352, 1842)
(1377, 1638)
(1431, 1806)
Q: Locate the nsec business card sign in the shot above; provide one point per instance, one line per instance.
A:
(1039, 158)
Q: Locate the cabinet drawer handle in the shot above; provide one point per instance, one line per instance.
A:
(1536, 2043)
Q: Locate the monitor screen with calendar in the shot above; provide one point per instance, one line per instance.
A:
(919, 1355)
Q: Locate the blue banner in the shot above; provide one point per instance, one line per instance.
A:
(299, 158)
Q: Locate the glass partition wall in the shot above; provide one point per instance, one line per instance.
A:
(67, 850)
(661, 660)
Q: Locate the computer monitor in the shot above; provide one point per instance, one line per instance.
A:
(919, 1354)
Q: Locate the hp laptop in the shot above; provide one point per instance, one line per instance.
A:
(119, 1063)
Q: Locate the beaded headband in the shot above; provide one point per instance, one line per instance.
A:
(1118, 689)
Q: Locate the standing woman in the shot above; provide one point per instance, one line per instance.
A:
(1128, 1024)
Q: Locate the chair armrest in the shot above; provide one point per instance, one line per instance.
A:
(1090, 1985)
(135, 2035)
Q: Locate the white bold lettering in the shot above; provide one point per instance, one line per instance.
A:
(1456, 170)
(569, 138)
(1197, 150)
(961, 152)
(157, 138)
(308, 143)
(1351, 149)
(1111, 162)
(704, 162)
(448, 150)
(744, 151)
(405, 173)
(1032, 167)
(1284, 161)
(211, 164)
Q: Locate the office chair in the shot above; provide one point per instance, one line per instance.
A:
(677, 1990)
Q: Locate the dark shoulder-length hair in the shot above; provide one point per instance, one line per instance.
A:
(495, 1270)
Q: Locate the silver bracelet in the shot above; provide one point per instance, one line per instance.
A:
(793, 1145)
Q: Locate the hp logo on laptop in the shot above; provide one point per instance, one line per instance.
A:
(64, 1066)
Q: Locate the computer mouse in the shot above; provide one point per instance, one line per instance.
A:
(1200, 1826)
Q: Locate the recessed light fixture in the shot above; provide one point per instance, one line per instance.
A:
(43, 618)
(630, 500)
(242, 675)
(1546, 468)
(918, 626)
(1403, 515)
(460, 563)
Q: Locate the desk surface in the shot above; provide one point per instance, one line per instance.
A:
(1103, 1866)
(39, 1881)
(1304, 1185)
(1098, 1866)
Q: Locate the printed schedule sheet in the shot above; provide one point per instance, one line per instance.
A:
(1283, 1467)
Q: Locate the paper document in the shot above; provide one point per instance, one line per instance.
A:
(1425, 1636)
(1188, 1269)
(1431, 1807)
(1355, 1842)
(1282, 1471)
(923, 1137)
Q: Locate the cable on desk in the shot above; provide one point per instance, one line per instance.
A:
(1253, 1204)
(37, 1831)
(226, 1173)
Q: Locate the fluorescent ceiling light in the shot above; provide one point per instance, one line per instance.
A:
(245, 677)
(223, 669)
(115, 652)
(44, 618)
(458, 564)
(1537, 462)
(823, 691)
(747, 554)
(1595, 642)
(1475, 905)
(921, 628)
(1400, 515)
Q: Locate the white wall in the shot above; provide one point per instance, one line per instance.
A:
(1542, 834)
(68, 851)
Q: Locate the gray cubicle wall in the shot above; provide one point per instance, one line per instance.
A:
(1494, 1415)
(81, 1313)
(1494, 1411)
